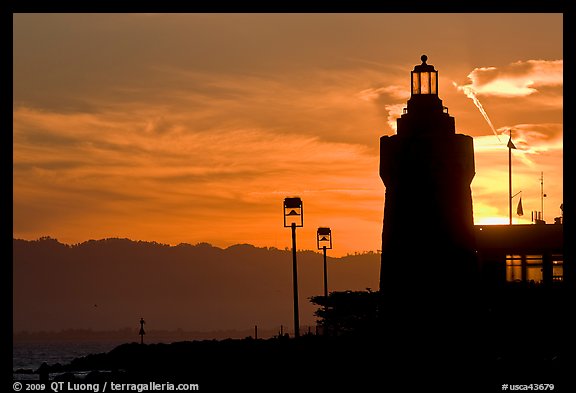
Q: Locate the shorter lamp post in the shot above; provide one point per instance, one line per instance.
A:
(324, 242)
(294, 217)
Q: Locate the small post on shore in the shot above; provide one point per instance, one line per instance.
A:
(142, 332)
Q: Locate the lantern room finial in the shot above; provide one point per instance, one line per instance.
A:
(423, 58)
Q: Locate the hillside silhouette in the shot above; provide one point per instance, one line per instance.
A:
(110, 284)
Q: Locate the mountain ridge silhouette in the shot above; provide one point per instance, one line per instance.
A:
(111, 283)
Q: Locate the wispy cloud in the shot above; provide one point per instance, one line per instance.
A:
(529, 139)
(518, 79)
(97, 167)
(394, 91)
(386, 99)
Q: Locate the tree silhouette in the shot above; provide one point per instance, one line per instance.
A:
(348, 312)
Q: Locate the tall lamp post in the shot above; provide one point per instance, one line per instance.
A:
(324, 242)
(294, 217)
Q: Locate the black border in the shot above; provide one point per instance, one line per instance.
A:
(444, 6)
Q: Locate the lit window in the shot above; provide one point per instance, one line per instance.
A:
(513, 268)
(534, 269)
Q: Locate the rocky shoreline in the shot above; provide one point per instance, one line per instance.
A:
(319, 362)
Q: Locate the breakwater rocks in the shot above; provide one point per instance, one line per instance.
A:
(316, 362)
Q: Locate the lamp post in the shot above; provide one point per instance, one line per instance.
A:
(294, 217)
(324, 242)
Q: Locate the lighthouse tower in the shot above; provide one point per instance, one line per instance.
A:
(428, 250)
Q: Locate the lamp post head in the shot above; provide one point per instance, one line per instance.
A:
(324, 238)
(293, 212)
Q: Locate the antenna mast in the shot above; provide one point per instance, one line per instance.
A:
(542, 195)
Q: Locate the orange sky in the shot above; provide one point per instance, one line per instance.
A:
(194, 127)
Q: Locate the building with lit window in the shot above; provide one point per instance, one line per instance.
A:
(522, 255)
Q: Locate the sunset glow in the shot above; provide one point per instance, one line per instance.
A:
(188, 128)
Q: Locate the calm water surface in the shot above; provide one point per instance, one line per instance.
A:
(30, 355)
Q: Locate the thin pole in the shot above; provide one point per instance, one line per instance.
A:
(295, 282)
(510, 178)
(325, 275)
(325, 282)
(142, 332)
(542, 194)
